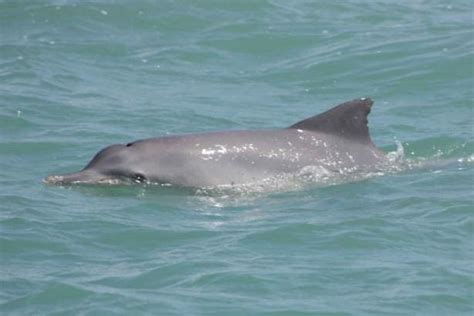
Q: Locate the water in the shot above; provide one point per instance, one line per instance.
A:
(76, 76)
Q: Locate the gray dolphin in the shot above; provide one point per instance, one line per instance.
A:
(337, 140)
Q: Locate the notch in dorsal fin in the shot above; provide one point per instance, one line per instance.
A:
(348, 120)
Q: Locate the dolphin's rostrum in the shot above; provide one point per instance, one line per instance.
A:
(337, 140)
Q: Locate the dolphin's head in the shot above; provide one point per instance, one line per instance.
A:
(115, 164)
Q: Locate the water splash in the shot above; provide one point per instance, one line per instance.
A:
(397, 155)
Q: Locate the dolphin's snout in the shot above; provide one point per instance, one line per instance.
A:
(81, 177)
(84, 176)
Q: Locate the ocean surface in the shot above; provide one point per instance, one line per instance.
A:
(76, 76)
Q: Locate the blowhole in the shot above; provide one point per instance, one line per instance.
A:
(129, 145)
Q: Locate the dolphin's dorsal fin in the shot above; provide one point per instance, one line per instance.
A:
(348, 120)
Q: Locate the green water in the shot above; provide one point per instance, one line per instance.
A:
(76, 76)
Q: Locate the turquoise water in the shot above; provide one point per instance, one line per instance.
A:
(76, 76)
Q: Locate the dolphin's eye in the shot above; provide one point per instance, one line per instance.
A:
(139, 178)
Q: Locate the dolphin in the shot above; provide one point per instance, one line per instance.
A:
(337, 140)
